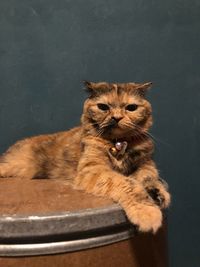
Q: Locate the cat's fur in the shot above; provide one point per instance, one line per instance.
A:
(88, 156)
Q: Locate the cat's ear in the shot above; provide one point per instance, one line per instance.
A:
(143, 88)
(89, 87)
(95, 89)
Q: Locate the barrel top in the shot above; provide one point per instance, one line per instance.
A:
(50, 210)
(23, 196)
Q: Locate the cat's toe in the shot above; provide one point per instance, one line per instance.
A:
(166, 200)
(160, 197)
(145, 217)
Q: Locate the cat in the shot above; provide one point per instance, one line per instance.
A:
(108, 155)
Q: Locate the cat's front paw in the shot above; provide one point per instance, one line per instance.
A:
(160, 196)
(145, 217)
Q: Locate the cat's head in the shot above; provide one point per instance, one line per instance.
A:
(117, 110)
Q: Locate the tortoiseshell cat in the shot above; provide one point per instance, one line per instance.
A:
(109, 155)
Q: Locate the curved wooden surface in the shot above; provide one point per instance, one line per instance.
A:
(23, 196)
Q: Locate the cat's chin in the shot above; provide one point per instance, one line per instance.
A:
(117, 133)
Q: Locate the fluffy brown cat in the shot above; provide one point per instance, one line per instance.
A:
(109, 155)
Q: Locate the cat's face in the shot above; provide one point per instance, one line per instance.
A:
(117, 110)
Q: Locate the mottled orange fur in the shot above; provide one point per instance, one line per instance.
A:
(88, 155)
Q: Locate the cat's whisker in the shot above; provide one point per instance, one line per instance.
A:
(99, 129)
(99, 132)
(147, 134)
(104, 125)
(140, 133)
(139, 136)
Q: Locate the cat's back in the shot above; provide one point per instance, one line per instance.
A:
(67, 143)
(69, 138)
(59, 153)
(54, 147)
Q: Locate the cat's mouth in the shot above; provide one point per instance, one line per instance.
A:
(115, 129)
(112, 124)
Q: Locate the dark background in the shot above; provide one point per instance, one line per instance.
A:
(47, 47)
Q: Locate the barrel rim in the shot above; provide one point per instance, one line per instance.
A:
(49, 248)
(41, 215)
(18, 228)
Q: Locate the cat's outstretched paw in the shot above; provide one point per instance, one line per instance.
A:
(145, 217)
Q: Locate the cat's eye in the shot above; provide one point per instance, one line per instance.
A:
(103, 107)
(131, 107)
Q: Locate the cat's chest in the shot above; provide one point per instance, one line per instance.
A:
(122, 156)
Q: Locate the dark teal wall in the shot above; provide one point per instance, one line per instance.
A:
(47, 47)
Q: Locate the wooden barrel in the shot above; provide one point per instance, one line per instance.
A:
(47, 223)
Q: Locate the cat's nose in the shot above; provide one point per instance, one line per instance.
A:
(116, 118)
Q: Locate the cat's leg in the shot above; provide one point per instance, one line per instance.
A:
(19, 160)
(148, 175)
(137, 204)
(95, 176)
